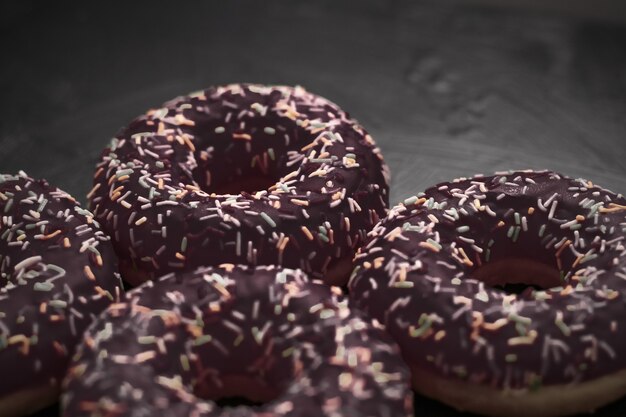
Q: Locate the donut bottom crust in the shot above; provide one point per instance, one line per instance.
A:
(28, 401)
(548, 401)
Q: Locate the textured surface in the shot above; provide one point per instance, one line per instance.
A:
(446, 91)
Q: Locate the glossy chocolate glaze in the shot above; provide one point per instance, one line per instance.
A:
(57, 270)
(207, 331)
(153, 188)
(415, 275)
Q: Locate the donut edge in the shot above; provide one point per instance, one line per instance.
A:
(549, 401)
(29, 401)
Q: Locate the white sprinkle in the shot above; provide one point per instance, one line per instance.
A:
(27, 262)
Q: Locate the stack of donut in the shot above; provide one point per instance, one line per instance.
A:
(216, 193)
(237, 212)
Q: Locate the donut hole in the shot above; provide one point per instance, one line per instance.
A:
(236, 390)
(232, 402)
(251, 149)
(248, 369)
(515, 260)
(518, 275)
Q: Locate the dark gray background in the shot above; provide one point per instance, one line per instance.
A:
(446, 88)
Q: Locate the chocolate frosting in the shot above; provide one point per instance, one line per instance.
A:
(181, 341)
(153, 188)
(56, 272)
(415, 275)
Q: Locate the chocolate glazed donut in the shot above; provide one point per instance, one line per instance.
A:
(56, 272)
(245, 174)
(266, 333)
(437, 272)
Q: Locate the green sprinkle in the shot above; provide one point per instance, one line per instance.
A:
(107, 332)
(521, 329)
(183, 244)
(410, 200)
(146, 340)
(269, 130)
(588, 258)
(258, 336)
(463, 229)
(123, 172)
(509, 233)
(456, 281)
(516, 233)
(482, 296)
(326, 314)
(160, 164)
(281, 277)
(268, 219)
(201, 340)
(434, 243)
(562, 326)
(487, 255)
(43, 286)
(594, 209)
(424, 324)
(511, 357)
(94, 250)
(184, 361)
(520, 319)
(291, 317)
(270, 152)
(42, 205)
(58, 303)
(288, 352)
(403, 284)
(542, 229)
(411, 228)
(220, 129)
(517, 218)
